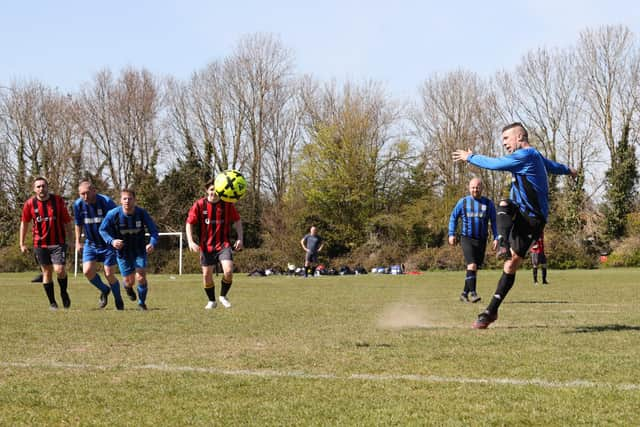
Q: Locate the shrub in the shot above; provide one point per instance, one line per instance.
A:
(258, 258)
(564, 253)
(625, 253)
(14, 261)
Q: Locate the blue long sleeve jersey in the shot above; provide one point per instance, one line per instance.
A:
(529, 184)
(130, 229)
(475, 215)
(90, 216)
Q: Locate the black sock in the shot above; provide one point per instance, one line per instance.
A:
(211, 293)
(504, 222)
(48, 289)
(470, 282)
(535, 274)
(63, 285)
(544, 274)
(225, 288)
(504, 286)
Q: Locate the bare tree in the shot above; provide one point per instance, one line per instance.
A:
(609, 70)
(609, 65)
(283, 134)
(545, 94)
(455, 111)
(40, 137)
(121, 120)
(209, 124)
(257, 75)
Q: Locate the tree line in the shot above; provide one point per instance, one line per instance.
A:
(374, 173)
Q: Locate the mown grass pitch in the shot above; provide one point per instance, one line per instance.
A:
(358, 350)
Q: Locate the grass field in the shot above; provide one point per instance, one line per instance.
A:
(357, 350)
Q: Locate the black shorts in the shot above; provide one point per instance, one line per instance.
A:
(51, 255)
(538, 258)
(473, 250)
(525, 232)
(311, 257)
(212, 258)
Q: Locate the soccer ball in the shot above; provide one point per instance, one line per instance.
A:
(230, 185)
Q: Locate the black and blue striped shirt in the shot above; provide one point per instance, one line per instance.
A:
(475, 215)
(131, 229)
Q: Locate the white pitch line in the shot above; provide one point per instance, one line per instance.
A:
(360, 377)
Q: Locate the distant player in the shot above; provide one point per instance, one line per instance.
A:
(538, 258)
(521, 219)
(475, 212)
(124, 228)
(51, 223)
(213, 218)
(89, 211)
(312, 243)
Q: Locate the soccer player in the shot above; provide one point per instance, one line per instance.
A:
(89, 211)
(124, 229)
(475, 211)
(522, 217)
(538, 258)
(51, 223)
(213, 218)
(312, 243)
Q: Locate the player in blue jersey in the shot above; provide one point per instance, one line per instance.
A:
(475, 212)
(89, 210)
(521, 218)
(124, 229)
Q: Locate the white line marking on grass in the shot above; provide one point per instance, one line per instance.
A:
(359, 377)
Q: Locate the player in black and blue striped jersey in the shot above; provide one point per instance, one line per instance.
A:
(474, 212)
(89, 211)
(125, 228)
(521, 218)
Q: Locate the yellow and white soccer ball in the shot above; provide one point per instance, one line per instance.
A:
(230, 185)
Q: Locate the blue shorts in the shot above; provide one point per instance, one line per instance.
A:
(129, 265)
(105, 255)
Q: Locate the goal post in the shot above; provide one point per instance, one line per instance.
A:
(176, 233)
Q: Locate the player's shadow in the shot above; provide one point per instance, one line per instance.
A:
(538, 302)
(603, 328)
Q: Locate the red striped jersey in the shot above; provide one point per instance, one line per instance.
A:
(214, 223)
(48, 217)
(538, 246)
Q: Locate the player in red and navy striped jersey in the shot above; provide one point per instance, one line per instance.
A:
(50, 224)
(538, 258)
(213, 218)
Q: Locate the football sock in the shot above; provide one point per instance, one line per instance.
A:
(306, 271)
(142, 292)
(504, 286)
(63, 285)
(99, 284)
(535, 274)
(470, 282)
(117, 296)
(48, 288)
(63, 292)
(211, 292)
(225, 288)
(504, 222)
(544, 274)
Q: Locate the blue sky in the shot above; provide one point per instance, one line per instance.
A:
(400, 43)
